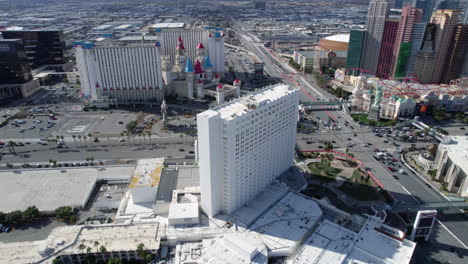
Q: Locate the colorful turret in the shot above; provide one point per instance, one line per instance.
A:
(180, 56)
(198, 70)
(201, 53)
(216, 79)
(189, 77)
(208, 68)
(237, 83)
(200, 93)
(220, 93)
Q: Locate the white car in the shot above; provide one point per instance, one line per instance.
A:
(402, 171)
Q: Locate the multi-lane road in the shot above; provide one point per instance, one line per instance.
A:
(449, 235)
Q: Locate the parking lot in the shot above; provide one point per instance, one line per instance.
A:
(36, 126)
(59, 93)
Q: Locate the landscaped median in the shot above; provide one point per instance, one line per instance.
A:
(344, 174)
(362, 119)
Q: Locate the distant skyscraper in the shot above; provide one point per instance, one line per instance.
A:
(409, 16)
(456, 55)
(417, 37)
(464, 72)
(398, 4)
(245, 145)
(16, 80)
(44, 47)
(426, 6)
(447, 4)
(425, 58)
(465, 15)
(376, 15)
(386, 48)
(446, 21)
(355, 51)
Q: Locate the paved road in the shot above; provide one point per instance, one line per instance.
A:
(103, 153)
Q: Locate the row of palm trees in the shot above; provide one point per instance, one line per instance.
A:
(85, 138)
(143, 135)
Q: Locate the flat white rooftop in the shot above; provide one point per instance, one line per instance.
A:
(339, 38)
(48, 189)
(113, 237)
(457, 150)
(250, 102)
(183, 210)
(332, 243)
(168, 25)
(123, 26)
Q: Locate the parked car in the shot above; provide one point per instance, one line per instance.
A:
(402, 171)
(391, 169)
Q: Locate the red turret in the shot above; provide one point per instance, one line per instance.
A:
(97, 85)
(198, 67)
(219, 87)
(200, 46)
(180, 44)
(237, 81)
(209, 35)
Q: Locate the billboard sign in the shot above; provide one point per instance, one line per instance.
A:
(423, 224)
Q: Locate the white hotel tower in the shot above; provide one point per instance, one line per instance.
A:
(123, 73)
(244, 145)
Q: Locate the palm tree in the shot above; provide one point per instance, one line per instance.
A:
(122, 134)
(81, 247)
(103, 249)
(328, 146)
(91, 159)
(140, 250)
(62, 138)
(144, 137)
(11, 146)
(128, 137)
(79, 137)
(84, 138)
(149, 136)
(96, 244)
(139, 135)
(88, 250)
(74, 138)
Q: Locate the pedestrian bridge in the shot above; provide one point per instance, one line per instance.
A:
(324, 103)
(413, 207)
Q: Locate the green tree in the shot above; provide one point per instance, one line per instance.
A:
(114, 261)
(96, 244)
(57, 260)
(81, 247)
(2, 217)
(328, 146)
(64, 213)
(74, 138)
(11, 146)
(88, 250)
(148, 258)
(14, 217)
(140, 250)
(30, 213)
(102, 249)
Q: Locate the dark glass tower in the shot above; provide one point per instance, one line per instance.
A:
(42, 47)
(14, 68)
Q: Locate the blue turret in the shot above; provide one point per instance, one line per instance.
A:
(189, 66)
(207, 63)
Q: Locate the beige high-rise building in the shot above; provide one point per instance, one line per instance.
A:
(446, 22)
